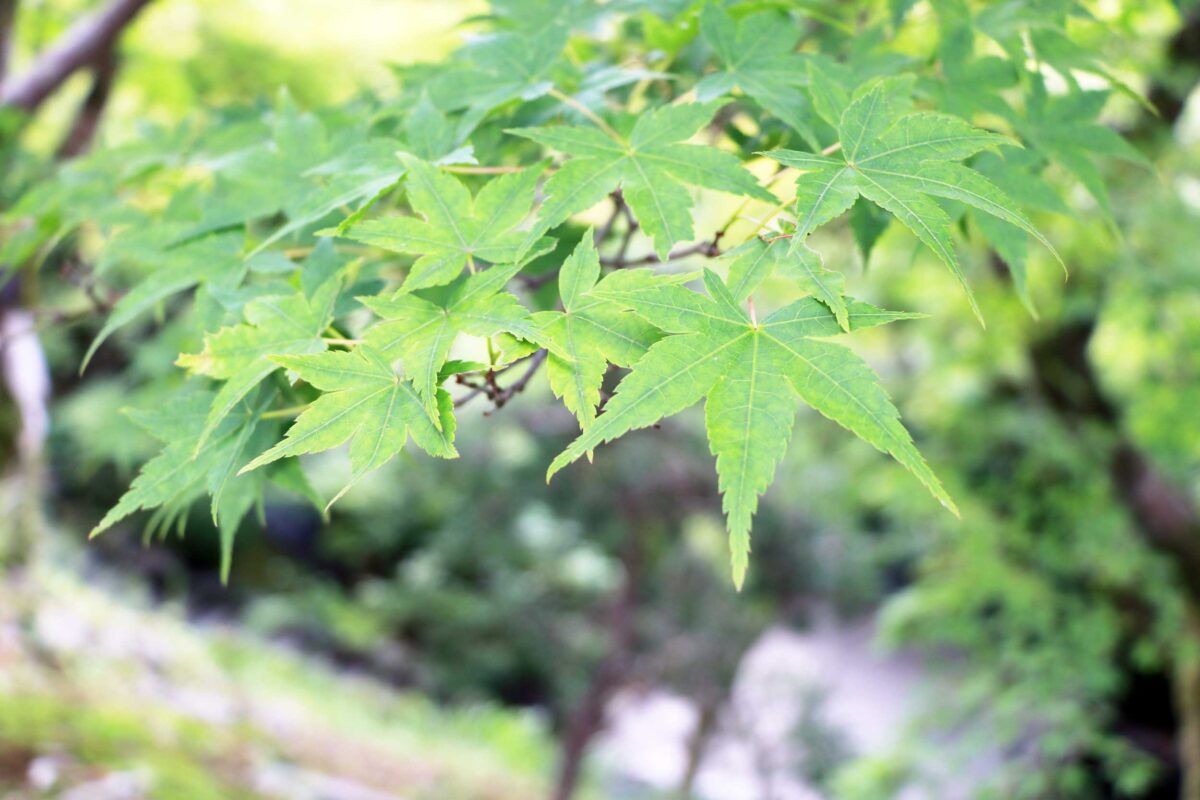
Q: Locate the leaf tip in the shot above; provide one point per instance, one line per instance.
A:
(739, 568)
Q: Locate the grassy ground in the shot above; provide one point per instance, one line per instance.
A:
(103, 698)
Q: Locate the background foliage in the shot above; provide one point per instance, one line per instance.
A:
(212, 250)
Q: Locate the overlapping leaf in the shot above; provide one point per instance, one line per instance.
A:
(365, 402)
(651, 167)
(456, 231)
(183, 471)
(756, 260)
(240, 354)
(420, 328)
(901, 161)
(751, 374)
(212, 259)
(588, 334)
(759, 57)
(1064, 129)
(501, 68)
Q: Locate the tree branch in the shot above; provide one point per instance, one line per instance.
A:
(87, 120)
(493, 391)
(709, 249)
(82, 44)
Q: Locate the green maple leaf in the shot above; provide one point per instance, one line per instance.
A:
(588, 334)
(752, 374)
(503, 67)
(365, 402)
(1020, 178)
(651, 166)
(756, 260)
(209, 260)
(901, 161)
(760, 58)
(1065, 129)
(968, 83)
(240, 355)
(183, 471)
(306, 170)
(358, 176)
(456, 231)
(420, 328)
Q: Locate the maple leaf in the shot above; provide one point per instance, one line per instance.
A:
(304, 171)
(1065, 130)
(587, 334)
(456, 231)
(182, 471)
(1020, 178)
(760, 58)
(503, 67)
(209, 260)
(365, 402)
(239, 355)
(420, 328)
(651, 167)
(751, 374)
(968, 83)
(901, 161)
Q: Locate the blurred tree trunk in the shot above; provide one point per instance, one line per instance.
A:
(1187, 698)
(588, 716)
(90, 43)
(706, 724)
(26, 381)
(8, 15)
(1164, 514)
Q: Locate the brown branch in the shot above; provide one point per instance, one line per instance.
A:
(500, 395)
(631, 228)
(82, 44)
(79, 139)
(619, 208)
(709, 249)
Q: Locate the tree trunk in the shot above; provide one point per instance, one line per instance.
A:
(1163, 514)
(588, 717)
(706, 725)
(8, 15)
(1187, 702)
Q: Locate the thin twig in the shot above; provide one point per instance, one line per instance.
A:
(534, 282)
(493, 391)
(535, 361)
(618, 199)
(631, 228)
(709, 249)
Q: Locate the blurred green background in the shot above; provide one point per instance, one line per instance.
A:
(458, 630)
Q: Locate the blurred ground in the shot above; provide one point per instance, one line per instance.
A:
(102, 699)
